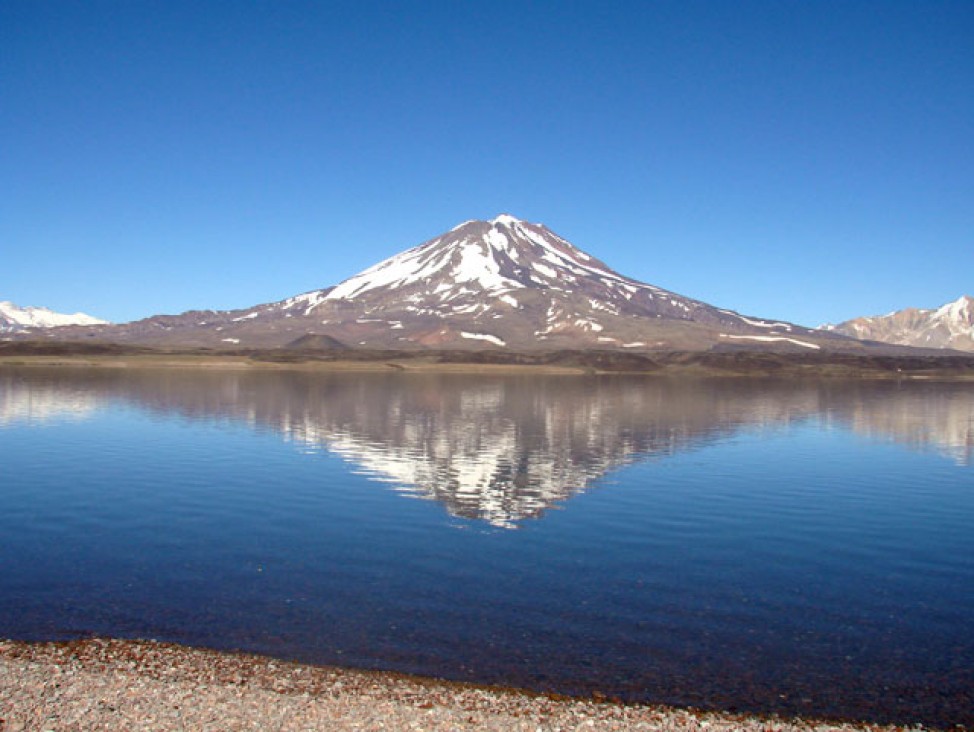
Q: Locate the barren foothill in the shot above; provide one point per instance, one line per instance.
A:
(733, 363)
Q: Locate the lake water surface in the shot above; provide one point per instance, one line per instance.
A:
(754, 545)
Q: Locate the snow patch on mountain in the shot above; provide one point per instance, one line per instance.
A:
(765, 323)
(772, 339)
(478, 266)
(483, 337)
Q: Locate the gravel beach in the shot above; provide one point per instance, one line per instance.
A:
(103, 684)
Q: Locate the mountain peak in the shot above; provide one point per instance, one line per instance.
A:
(492, 257)
(505, 219)
(960, 301)
(958, 314)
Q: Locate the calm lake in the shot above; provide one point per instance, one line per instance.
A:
(800, 547)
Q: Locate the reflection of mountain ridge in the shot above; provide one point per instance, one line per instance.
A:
(938, 419)
(503, 449)
(43, 406)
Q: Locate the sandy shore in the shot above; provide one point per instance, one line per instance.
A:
(142, 685)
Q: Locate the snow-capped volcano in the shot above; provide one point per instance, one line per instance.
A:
(507, 282)
(949, 326)
(16, 318)
(503, 283)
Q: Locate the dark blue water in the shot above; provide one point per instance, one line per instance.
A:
(801, 548)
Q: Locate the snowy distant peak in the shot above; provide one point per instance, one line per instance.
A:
(949, 326)
(14, 317)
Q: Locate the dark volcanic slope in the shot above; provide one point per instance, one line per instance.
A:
(503, 283)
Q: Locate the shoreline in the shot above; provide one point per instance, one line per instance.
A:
(107, 684)
(232, 363)
(731, 365)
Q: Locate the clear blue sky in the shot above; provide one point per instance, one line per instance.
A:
(811, 161)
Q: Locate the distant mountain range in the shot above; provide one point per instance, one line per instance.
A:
(949, 326)
(499, 284)
(503, 283)
(14, 318)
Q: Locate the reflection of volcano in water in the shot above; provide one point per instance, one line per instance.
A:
(481, 461)
(505, 448)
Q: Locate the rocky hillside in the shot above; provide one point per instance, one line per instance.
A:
(949, 326)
